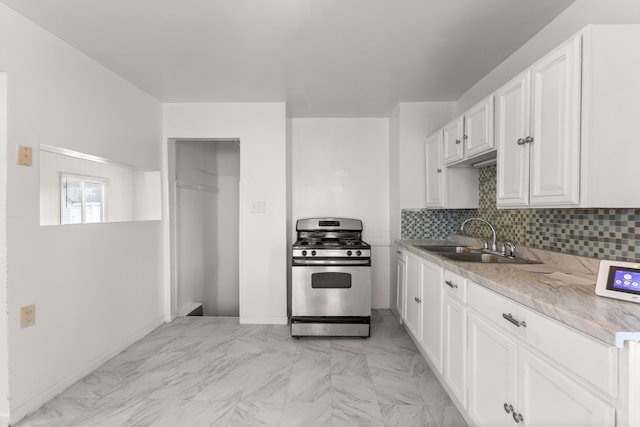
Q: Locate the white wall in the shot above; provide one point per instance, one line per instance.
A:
(261, 129)
(4, 353)
(569, 22)
(340, 168)
(411, 123)
(95, 286)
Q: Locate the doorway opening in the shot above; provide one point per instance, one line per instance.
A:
(206, 211)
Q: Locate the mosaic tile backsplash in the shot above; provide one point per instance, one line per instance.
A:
(595, 233)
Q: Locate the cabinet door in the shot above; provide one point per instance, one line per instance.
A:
(548, 398)
(435, 174)
(452, 141)
(413, 295)
(478, 129)
(512, 128)
(555, 150)
(400, 284)
(431, 306)
(492, 374)
(454, 331)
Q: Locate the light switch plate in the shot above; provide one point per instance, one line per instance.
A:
(24, 155)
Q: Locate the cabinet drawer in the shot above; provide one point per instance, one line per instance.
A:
(455, 285)
(592, 360)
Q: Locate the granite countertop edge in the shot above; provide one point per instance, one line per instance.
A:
(576, 305)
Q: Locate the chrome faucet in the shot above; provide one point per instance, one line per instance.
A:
(494, 246)
(511, 247)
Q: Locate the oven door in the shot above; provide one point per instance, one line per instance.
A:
(331, 291)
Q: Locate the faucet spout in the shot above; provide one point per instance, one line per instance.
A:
(494, 245)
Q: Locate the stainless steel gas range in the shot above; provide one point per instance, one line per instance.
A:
(331, 279)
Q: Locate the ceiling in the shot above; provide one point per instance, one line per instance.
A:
(324, 58)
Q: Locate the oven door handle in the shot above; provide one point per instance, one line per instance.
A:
(331, 285)
(332, 262)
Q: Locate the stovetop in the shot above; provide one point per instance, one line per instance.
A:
(330, 243)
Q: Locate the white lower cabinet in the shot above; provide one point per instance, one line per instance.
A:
(401, 282)
(431, 305)
(505, 364)
(413, 297)
(423, 306)
(454, 332)
(492, 374)
(509, 384)
(548, 398)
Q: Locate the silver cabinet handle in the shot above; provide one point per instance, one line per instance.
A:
(399, 252)
(415, 299)
(516, 322)
(508, 408)
(528, 139)
(439, 170)
(418, 300)
(521, 141)
(465, 137)
(451, 284)
(517, 417)
(457, 141)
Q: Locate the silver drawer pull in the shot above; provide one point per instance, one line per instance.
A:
(508, 408)
(451, 284)
(511, 319)
(517, 417)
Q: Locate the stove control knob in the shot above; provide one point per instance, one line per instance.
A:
(349, 253)
(313, 252)
(304, 253)
(358, 253)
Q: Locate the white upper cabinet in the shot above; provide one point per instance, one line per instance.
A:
(447, 188)
(564, 127)
(512, 127)
(538, 132)
(452, 140)
(478, 129)
(555, 127)
(435, 171)
(470, 136)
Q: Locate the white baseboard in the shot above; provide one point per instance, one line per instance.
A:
(4, 420)
(267, 320)
(18, 413)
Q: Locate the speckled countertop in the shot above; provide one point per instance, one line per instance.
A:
(563, 288)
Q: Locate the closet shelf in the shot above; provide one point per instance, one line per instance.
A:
(197, 187)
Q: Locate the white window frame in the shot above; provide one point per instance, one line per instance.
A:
(84, 179)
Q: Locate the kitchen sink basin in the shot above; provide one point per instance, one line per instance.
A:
(447, 249)
(480, 257)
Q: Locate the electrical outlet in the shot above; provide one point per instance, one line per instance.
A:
(28, 315)
(24, 155)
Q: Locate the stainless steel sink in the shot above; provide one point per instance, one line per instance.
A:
(480, 257)
(446, 249)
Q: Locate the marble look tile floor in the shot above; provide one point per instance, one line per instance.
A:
(207, 371)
